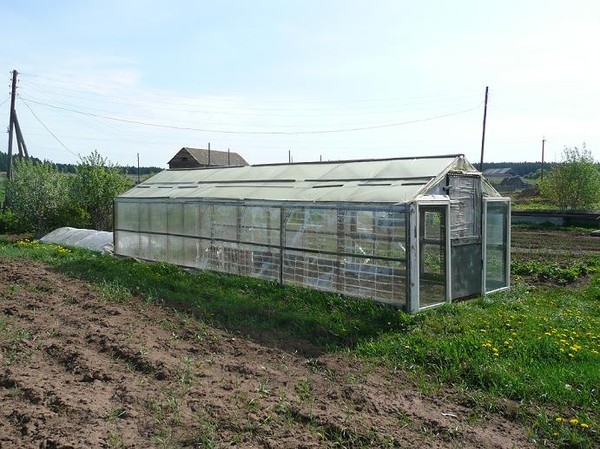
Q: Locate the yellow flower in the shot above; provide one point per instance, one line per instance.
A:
(559, 419)
(574, 421)
(584, 425)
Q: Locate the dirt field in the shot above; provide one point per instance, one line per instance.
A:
(77, 371)
(552, 245)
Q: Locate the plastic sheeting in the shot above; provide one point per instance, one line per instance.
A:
(100, 241)
(389, 181)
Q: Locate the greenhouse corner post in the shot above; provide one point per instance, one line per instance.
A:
(281, 242)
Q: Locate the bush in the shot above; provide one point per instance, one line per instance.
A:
(37, 197)
(575, 182)
(41, 198)
(95, 185)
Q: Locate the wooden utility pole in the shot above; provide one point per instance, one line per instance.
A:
(483, 133)
(543, 144)
(208, 154)
(11, 123)
(13, 126)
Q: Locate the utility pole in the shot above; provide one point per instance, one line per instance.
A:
(483, 133)
(138, 168)
(543, 144)
(11, 122)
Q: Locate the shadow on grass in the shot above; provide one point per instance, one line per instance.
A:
(290, 318)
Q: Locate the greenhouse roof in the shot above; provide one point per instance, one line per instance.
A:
(376, 181)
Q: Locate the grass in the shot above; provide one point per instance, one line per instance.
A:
(539, 348)
(313, 321)
(562, 274)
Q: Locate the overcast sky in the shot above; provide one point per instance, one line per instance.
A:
(330, 79)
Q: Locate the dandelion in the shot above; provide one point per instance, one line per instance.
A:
(574, 421)
(559, 419)
(584, 425)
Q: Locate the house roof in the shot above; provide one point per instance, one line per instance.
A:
(499, 172)
(217, 157)
(374, 181)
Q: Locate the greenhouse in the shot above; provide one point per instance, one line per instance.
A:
(411, 232)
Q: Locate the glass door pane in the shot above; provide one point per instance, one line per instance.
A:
(497, 240)
(432, 255)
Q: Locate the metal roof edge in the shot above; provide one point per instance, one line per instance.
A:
(340, 161)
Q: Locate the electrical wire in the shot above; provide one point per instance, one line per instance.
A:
(344, 103)
(7, 98)
(47, 129)
(288, 133)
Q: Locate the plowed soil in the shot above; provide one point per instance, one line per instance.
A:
(80, 371)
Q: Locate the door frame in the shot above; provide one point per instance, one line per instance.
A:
(484, 213)
(415, 281)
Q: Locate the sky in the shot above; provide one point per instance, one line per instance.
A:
(306, 79)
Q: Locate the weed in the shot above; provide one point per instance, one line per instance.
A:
(206, 435)
(112, 291)
(116, 413)
(263, 389)
(114, 440)
(184, 376)
(304, 389)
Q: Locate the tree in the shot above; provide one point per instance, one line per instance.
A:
(38, 198)
(574, 183)
(95, 185)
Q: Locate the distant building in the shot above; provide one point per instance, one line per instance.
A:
(504, 179)
(501, 173)
(200, 157)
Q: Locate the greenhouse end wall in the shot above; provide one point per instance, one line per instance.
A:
(352, 249)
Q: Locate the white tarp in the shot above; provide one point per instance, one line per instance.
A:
(101, 241)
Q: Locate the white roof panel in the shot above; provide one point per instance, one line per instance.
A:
(379, 181)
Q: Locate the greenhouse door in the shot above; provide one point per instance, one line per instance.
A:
(496, 245)
(433, 255)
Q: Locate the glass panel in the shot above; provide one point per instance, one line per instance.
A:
(127, 243)
(432, 255)
(496, 247)
(127, 215)
(153, 217)
(175, 218)
(190, 219)
(224, 222)
(260, 225)
(314, 229)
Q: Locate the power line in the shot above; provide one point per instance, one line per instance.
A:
(47, 129)
(241, 107)
(344, 103)
(7, 98)
(289, 133)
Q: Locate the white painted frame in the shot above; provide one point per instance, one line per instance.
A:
(484, 244)
(414, 214)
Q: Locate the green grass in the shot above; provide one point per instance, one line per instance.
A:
(539, 347)
(563, 274)
(309, 320)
